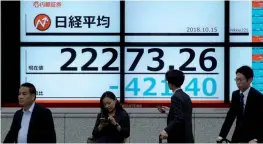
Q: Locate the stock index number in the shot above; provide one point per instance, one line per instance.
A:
(202, 59)
(184, 67)
(86, 67)
(139, 56)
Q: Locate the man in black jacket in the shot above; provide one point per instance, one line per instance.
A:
(179, 121)
(247, 107)
(32, 123)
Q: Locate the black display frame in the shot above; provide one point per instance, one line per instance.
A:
(10, 62)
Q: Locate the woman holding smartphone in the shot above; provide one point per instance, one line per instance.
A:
(113, 122)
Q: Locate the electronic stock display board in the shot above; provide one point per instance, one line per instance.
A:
(83, 73)
(246, 25)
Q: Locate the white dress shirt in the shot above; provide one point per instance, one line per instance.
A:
(22, 134)
(245, 93)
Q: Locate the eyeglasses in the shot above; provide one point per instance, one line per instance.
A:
(239, 79)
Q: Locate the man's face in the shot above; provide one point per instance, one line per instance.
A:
(242, 82)
(25, 98)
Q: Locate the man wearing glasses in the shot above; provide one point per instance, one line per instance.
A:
(247, 107)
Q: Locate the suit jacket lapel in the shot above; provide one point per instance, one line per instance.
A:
(31, 123)
(19, 118)
(18, 123)
(249, 99)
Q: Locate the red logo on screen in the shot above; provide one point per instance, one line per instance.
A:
(42, 22)
(47, 4)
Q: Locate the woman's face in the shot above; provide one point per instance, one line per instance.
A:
(109, 104)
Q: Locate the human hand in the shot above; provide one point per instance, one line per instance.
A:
(103, 122)
(163, 135)
(112, 120)
(163, 109)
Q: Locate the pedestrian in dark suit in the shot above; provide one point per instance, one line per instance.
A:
(247, 107)
(32, 123)
(179, 121)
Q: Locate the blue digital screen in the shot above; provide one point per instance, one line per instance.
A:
(250, 56)
(246, 21)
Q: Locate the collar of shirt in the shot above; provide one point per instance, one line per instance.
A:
(245, 93)
(30, 109)
(176, 90)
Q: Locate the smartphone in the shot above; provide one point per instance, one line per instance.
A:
(103, 120)
(160, 109)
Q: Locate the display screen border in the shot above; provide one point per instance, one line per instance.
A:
(11, 59)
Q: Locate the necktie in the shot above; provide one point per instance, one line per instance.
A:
(242, 102)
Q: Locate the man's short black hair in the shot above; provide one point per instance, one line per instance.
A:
(32, 88)
(175, 77)
(246, 71)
